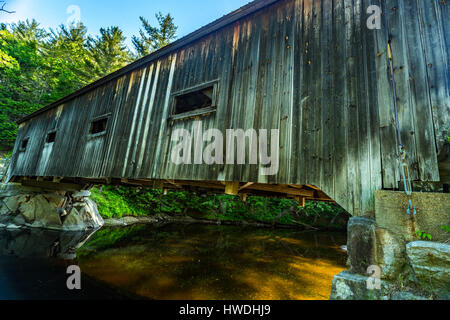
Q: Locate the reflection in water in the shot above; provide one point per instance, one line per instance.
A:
(38, 243)
(33, 266)
(213, 262)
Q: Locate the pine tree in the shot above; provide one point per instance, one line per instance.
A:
(67, 57)
(21, 84)
(38, 67)
(108, 52)
(153, 38)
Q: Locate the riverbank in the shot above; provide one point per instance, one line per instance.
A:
(187, 220)
(121, 206)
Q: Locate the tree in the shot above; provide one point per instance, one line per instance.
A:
(22, 85)
(6, 60)
(153, 38)
(38, 67)
(28, 31)
(108, 52)
(2, 7)
(67, 58)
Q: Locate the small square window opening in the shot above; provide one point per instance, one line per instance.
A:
(51, 137)
(24, 144)
(98, 126)
(194, 100)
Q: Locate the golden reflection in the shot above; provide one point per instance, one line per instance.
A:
(211, 262)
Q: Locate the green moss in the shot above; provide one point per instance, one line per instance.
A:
(112, 204)
(117, 202)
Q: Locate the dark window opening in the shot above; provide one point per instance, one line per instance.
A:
(24, 144)
(51, 137)
(98, 126)
(194, 100)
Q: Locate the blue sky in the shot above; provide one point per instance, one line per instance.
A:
(189, 14)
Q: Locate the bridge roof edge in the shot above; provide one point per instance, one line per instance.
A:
(214, 26)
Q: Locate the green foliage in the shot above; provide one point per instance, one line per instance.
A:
(108, 52)
(446, 228)
(69, 60)
(116, 202)
(21, 82)
(106, 238)
(113, 204)
(424, 235)
(151, 38)
(38, 67)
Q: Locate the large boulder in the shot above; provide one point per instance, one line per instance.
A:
(81, 195)
(45, 213)
(351, 286)
(57, 198)
(83, 217)
(55, 210)
(13, 203)
(431, 264)
(361, 244)
(391, 256)
(370, 245)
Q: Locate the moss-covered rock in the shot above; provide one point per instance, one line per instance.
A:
(431, 264)
(351, 286)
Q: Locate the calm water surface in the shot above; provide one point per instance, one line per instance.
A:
(173, 262)
(213, 262)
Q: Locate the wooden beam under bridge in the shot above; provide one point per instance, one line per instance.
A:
(298, 192)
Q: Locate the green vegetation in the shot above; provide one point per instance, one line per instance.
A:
(105, 238)
(38, 66)
(117, 202)
(446, 228)
(151, 38)
(424, 235)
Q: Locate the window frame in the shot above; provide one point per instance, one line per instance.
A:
(95, 119)
(48, 134)
(196, 112)
(24, 149)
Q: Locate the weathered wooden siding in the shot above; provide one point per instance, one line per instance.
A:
(310, 68)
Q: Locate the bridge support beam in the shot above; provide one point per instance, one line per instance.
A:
(388, 259)
(48, 185)
(232, 188)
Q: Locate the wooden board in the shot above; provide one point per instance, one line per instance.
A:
(308, 68)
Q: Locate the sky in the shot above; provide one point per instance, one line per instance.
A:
(189, 14)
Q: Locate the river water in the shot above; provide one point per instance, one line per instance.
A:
(172, 262)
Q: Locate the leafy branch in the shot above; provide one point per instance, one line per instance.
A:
(446, 228)
(424, 235)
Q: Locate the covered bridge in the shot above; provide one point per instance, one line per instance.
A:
(311, 69)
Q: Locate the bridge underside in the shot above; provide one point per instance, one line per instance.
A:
(301, 193)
